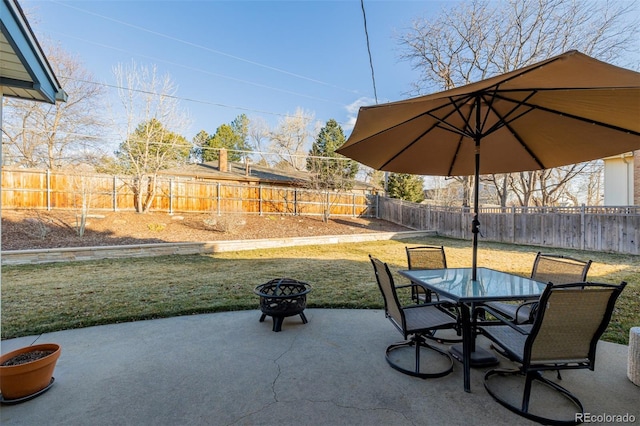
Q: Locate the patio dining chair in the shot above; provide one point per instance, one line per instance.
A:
(547, 268)
(415, 322)
(569, 322)
(424, 257)
(432, 257)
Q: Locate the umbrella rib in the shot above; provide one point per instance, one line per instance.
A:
(461, 132)
(467, 130)
(524, 145)
(486, 116)
(576, 117)
(455, 156)
(505, 120)
(441, 123)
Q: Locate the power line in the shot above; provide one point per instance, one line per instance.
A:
(155, 143)
(199, 46)
(366, 33)
(264, 86)
(180, 98)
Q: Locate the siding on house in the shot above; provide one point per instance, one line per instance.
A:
(621, 180)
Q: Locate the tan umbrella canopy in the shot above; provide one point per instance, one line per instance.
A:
(564, 110)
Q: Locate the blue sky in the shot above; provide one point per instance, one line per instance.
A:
(261, 58)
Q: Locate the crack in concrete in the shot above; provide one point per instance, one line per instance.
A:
(275, 361)
(273, 384)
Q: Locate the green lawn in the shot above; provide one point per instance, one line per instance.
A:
(50, 297)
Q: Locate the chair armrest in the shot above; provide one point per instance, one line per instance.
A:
(436, 304)
(532, 304)
(504, 320)
(404, 286)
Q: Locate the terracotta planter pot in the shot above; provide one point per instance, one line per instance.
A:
(22, 381)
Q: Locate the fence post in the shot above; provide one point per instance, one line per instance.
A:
(114, 195)
(48, 183)
(170, 196)
(260, 200)
(353, 205)
(218, 198)
(582, 227)
(513, 223)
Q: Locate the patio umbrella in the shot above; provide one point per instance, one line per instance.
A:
(565, 110)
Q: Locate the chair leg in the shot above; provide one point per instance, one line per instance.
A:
(526, 396)
(523, 410)
(419, 342)
(277, 323)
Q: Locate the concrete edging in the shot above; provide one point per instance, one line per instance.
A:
(72, 254)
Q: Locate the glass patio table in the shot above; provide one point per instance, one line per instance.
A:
(491, 285)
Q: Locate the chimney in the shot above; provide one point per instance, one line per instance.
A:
(222, 161)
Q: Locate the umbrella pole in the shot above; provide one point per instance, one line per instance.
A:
(475, 224)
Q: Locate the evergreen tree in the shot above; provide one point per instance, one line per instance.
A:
(405, 187)
(199, 141)
(240, 127)
(224, 137)
(234, 137)
(334, 172)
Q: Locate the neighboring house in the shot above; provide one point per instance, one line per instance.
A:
(622, 180)
(249, 174)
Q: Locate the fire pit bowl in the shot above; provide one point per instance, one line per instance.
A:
(282, 297)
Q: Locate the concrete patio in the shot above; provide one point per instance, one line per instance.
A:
(229, 369)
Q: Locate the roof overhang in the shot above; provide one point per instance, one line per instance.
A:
(25, 72)
(620, 156)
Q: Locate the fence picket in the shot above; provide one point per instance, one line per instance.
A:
(611, 229)
(594, 228)
(44, 189)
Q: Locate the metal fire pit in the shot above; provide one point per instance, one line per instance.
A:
(281, 298)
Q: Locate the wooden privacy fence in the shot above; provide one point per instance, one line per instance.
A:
(609, 229)
(43, 189)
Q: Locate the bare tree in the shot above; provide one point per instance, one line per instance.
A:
(54, 136)
(523, 185)
(552, 183)
(500, 183)
(258, 135)
(290, 138)
(83, 188)
(473, 40)
(154, 121)
(594, 183)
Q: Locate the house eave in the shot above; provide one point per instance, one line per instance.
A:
(25, 72)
